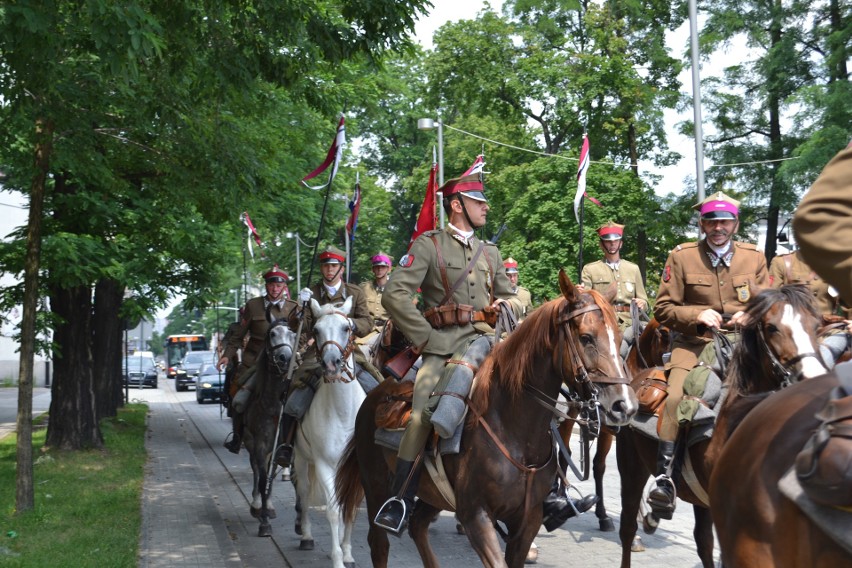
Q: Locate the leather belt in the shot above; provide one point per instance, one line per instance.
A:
(622, 308)
(449, 315)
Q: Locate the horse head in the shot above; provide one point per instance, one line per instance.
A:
(779, 340)
(593, 339)
(280, 343)
(333, 335)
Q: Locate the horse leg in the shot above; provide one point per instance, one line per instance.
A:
(483, 538)
(598, 469)
(304, 480)
(422, 516)
(256, 502)
(521, 536)
(633, 474)
(703, 534)
(324, 477)
(265, 529)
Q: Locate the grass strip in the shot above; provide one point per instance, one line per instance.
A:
(87, 503)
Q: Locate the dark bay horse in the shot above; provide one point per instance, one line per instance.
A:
(262, 414)
(778, 346)
(507, 461)
(756, 524)
(645, 353)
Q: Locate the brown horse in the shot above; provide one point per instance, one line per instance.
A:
(756, 524)
(778, 345)
(647, 352)
(507, 461)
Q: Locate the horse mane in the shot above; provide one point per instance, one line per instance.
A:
(745, 365)
(513, 360)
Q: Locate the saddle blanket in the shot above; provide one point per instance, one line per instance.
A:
(836, 523)
(390, 439)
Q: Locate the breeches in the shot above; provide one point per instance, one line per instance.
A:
(417, 431)
(684, 357)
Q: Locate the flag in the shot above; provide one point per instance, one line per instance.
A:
(581, 177)
(333, 157)
(354, 208)
(426, 220)
(252, 232)
(476, 167)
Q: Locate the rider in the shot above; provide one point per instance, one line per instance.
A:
(459, 276)
(702, 281)
(601, 274)
(373, 290)
(524, 296)
(331, 290)
(253, 323)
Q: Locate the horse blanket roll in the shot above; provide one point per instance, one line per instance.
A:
(247, 381)
(447, 406)
(702, 389)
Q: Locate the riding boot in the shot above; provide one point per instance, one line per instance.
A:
(558, 507)
(394, 514)
(236, 440)
(284, 455)
(662, 497)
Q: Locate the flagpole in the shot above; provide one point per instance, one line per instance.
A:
(319, 230)
(580, 255)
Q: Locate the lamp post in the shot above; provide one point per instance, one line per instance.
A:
(429, 124)
(298, 256)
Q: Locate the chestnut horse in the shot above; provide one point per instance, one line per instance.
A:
(778, 346)
(645, 353)
(507, 461)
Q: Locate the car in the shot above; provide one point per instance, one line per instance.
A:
(190, 365)
(209, 384)
(143, 371)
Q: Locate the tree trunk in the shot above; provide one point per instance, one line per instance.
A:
(107, 335)
(24, 492)
(73, 422)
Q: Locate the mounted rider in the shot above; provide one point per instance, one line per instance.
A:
(254, 324)
(524, 296)
(702, 281)
(462, 280)
(373, 290)
(599, 275)
(331, 290)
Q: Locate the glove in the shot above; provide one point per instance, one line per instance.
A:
(305, 295)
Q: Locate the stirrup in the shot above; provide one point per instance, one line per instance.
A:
(387, 514)
(233, 443)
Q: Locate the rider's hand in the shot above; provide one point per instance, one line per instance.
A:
(498, 301)
(305, 295)
(710, 318)
(223, 362)
(740, 318)
(641, 304)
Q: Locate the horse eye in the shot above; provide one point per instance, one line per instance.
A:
(586, 339)
(771, 328)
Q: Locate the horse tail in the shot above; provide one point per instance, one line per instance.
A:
(347, 483)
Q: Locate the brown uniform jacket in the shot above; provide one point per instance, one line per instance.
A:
(690, 284)
(823, 224)
(360, 314)
(791, 269)
(525, 298)
(374, 301)
(254, 324)
(421, 270)
(598, 276)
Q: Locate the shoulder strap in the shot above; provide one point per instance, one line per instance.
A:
(443, 266)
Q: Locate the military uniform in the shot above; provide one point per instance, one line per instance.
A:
(791, 269)
(823, 224)
(599, 275)
(373, 296)
(690, 285)
(525, 299)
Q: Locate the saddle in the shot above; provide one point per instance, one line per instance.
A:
(394, 411)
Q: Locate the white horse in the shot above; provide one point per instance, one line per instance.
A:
(327, 426)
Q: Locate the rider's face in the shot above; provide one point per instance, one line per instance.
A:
(380, 271)
(513, 278)
(611, 247)
(274, 290)
(719, 231)
(331, 272)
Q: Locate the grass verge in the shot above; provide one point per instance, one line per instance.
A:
(87, 503)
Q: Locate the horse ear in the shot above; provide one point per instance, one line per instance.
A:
(315, 308)
(611, 292)
(567, 287)
(347, 305)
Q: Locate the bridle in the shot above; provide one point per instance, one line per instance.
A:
(345, 352)
(783, 370)
(270, 351)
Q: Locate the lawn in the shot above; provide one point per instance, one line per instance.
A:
(87, 503)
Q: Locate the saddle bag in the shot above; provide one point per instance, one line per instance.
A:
(652, 392)
(394, 411)
(824, 466)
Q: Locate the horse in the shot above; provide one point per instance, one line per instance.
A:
(647, 352)
(327, 425)
(778, 346)
(757, 525)
(262, 414)
(507, 460)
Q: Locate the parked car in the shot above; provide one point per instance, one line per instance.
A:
(142, 371)
(209, 384)
(190, 366)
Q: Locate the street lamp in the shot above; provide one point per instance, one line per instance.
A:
(429, 124)
(298, 256)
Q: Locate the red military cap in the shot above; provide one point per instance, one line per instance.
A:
(276, 275)
(511, 265)
(611, 231)
(470, 185)
(332, 255)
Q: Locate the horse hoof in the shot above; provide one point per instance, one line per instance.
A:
(459, 528)
(650, 522)
(255, 512)
(264, 530)
(532, 556)
(637, 545)
(349, 564)
(306, 544)
(606, 524)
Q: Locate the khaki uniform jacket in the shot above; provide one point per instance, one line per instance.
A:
(525, 298)
(791, 269)
(254, 324)
(823, 224)
(374, 301)
(691, 285)
(360, 314)
(598, 276)
(423, 272)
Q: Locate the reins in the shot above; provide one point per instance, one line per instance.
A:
(345, 352)
(783, 370)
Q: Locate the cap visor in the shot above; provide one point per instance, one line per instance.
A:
(713, 215)
(477, 195)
